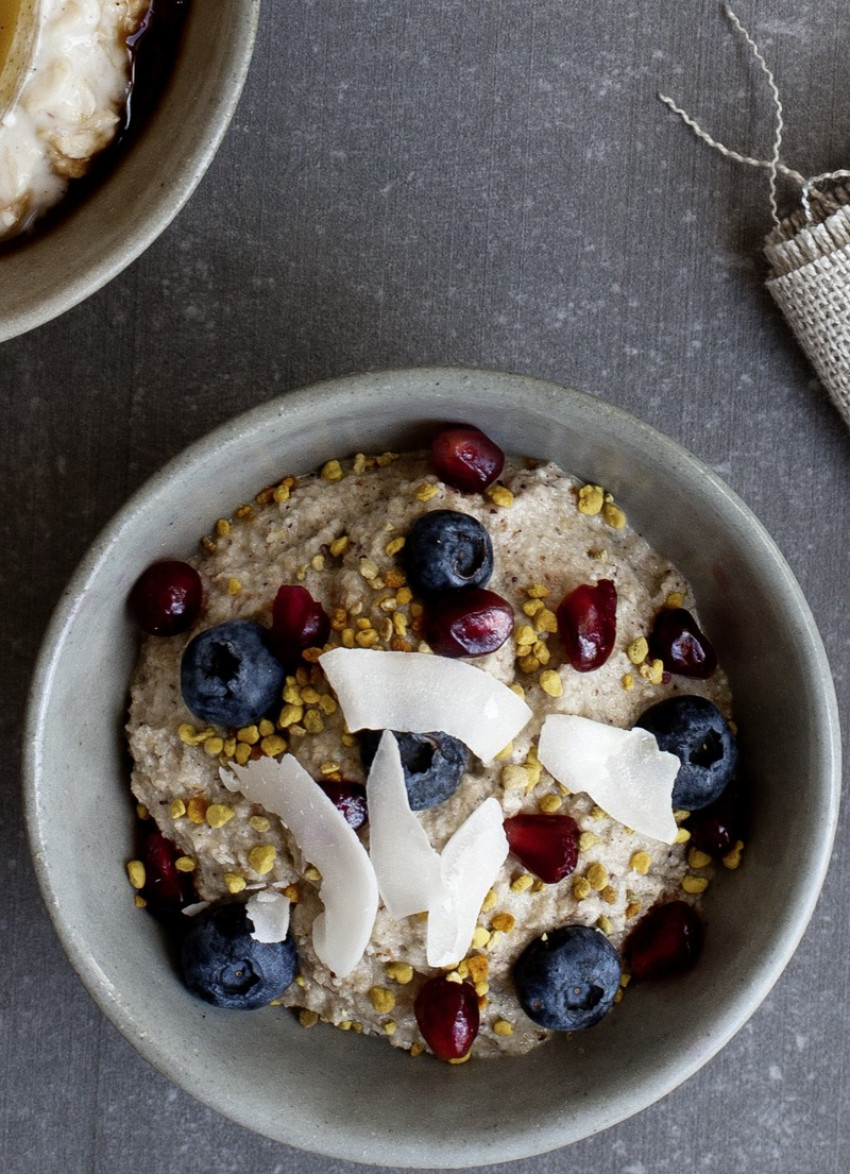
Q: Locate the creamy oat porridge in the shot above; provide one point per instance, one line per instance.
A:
(66, 76)
(526, 636)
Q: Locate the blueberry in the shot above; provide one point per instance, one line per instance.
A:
(695, 730)
(433, 764)
(567, 979)
(445, 550)
(225, 966)
(229, 675)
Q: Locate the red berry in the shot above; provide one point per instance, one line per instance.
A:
(470, 622)
(298, 622)
(466, 459)
(716, 828)
(166, 598)
(667, 940)
(678, 642)
(587, 624)
(349, 798)
(547, 845)
(165, 889)
(448, 1016)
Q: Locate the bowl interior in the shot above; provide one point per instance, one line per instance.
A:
(356, 1098)
(59, 267)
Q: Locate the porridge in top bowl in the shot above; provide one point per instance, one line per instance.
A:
(71, 73)
(536, 829)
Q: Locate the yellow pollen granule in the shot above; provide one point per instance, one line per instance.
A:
(581, 888)
(136, 873)
(633, 909)
(501, 496)
(317, 562)
(652, 671)
(546, 621)
(189, 736)
(461, 1059)
(551, 683)
(537, 591)
(505, 752)
(177, 809)
(218, 814)
(640, 862)
(698, 859)
(532, 606)
(604, 923)
(234, 883)
(732, 859)
(311, 873)
(250, 735)
(339, 545)
(522, 883)
(308, 1018)
(638, 650)
(369, 569)
(529, 664)
(489, 901)
(139, 901)
(382, 999)
(627, 681)
(185, 864)
(313, 722)
(674, 599)
(390, 1027)
(265, 727)
(234, 587)
(260, 823)
(291, 892)
(503, 922)
(426, 491)
(222, 528)
(214, 746)
(196, 809)
(588, 840)
(503, 1027)
(525, 636)
(394, 546)
(481, 937)
(694, 884)
(332, 471)
(597, 876)
(609, 895)
(682, 835)
(289, 715)
(549, 804)
(590, 499)
(367, 638)
(400, 972)
(273, 745)
(262, 858)
(514, 777)
(613, 515)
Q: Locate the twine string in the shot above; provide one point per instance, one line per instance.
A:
(809, 188)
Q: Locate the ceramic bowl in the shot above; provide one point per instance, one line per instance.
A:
(349, 1096)
(61, 265)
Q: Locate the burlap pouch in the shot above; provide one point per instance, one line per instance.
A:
(808, 251)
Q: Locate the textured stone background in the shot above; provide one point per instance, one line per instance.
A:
(482, 182)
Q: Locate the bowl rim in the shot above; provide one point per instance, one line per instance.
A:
(741, 1004)
(163, 206)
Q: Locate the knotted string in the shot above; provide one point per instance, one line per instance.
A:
(809, 188)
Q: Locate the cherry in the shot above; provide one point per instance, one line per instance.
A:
(716, 829)
(166, 598)
(587, 624)
(677, 640)
(471, 622)
(448, 1016)
(349, 798)
(298, 622)
(667, 940)
(166, 890)
(466, 459)
(547, 845)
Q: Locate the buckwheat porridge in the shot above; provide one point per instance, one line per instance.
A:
(554, 800)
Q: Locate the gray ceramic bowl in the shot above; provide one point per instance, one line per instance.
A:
(55, 269)
(349, 1096)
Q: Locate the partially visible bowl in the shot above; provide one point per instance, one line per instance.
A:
(57, 266)
(356, 1098)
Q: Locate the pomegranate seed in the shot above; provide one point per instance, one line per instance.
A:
(166, 890)
(166, 598)
(678, 642)
(298, 622)
(471, 622)
(587, 624)
(349, 798)
(466, 459)
(667, 940)
(547, 845)
(716, 829)
(448, 1017)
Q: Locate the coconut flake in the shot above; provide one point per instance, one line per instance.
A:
(348, 890)
(622, 770)
(269, 912)
(406, 865)
(469, 864)
(417, 692)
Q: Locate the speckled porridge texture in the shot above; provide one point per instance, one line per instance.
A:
(339, 533)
